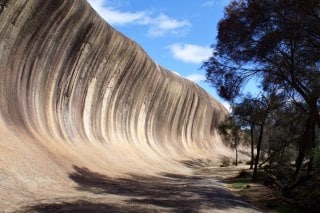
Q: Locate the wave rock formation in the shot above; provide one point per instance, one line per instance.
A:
(75, 93)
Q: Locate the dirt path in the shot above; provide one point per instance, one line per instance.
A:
(202, 192)
(255, 193)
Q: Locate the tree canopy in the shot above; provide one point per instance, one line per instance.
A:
(277, 42)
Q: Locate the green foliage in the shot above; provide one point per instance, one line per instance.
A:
(257, 38)
(231, 131)
(232, 134)
(278, 43)
(240, 185)
(316, 157)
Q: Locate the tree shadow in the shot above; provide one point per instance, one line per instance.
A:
(180, 193)
(81, 206)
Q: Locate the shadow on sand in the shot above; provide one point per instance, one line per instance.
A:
(175, 192)
(82, 206)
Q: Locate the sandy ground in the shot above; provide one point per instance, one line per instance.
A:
(206, 190)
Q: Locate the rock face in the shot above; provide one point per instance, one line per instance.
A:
(75, 92)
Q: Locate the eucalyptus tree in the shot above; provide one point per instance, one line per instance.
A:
(277, 41)
(231, 132)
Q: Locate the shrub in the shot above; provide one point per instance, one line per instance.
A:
(244, 174)
(225, 162)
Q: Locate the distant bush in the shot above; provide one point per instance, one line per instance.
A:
(225, 162)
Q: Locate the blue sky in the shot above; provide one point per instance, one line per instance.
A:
(177, 34)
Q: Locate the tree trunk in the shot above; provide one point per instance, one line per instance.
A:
(313, 145)
(236, 155)
(254, 176)
(299, 160)
(310, 164)
(307, 142)
(252, 146)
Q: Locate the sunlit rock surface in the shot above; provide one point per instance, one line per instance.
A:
(75, 93)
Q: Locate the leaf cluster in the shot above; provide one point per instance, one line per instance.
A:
(275, 40)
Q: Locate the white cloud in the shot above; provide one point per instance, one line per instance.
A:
(208, 3)
(163, 24)
(190, 53)
(159, 25)
(197, 78)
(116, 17)
(211, 3)
(113, 16)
